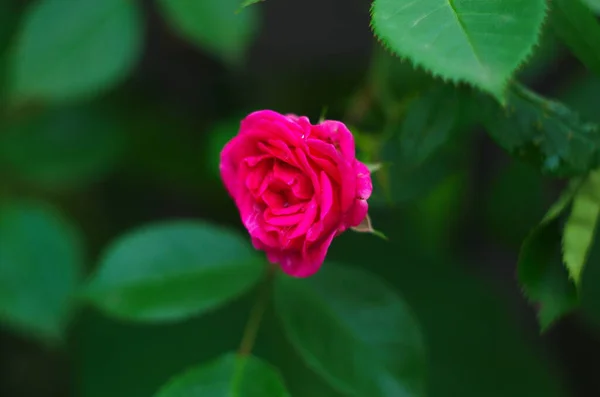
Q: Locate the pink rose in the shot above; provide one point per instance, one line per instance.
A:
(296, 185)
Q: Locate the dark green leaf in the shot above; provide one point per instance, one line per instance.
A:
(218, 136)
(62, 148)
(354, 331)
(578, 28)
(582, 94)
(478, 42)
(401, 181)
(429, 122)
(169, 271)
(227, 376)
(9, 16)
(214, 25)
(544, 133)
(578, 234)
(394, 79)
(541, 272)
(68, 49)
(40, 263)
(515, 202)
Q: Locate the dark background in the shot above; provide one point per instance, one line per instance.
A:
(452, 249)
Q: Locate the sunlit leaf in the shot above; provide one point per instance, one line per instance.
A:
(579, 230)
(478, 42)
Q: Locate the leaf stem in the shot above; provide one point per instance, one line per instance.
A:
(257, 312)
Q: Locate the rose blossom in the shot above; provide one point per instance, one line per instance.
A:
(296, 185)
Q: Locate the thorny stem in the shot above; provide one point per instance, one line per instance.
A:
(257, 312)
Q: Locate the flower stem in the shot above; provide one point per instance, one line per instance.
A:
(257, 312)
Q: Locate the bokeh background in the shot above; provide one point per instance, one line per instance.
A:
(147, 150)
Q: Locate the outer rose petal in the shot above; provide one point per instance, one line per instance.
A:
(298, 265)
(296, 186)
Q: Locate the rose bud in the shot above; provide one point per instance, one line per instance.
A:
(296, 186)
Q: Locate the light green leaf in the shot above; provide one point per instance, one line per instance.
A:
(173, 270)
(62, 148)
(214, 25)
(354, 331)
(69, 49)
(594, 5)
(578, 28)
(247, 3)
(478, 42)
(544, 133)
(40, 264)
(578, 234)
(540, 269)
(227, 376)
(428, 124)
(543, 277)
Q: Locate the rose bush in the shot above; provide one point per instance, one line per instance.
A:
(296, 185)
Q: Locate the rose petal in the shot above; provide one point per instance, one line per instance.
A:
(326, 196)
(364, 185)
(358, 213)
(308, 218)
(282, 220)
(340, 136)
(285, 173)
(303, 188)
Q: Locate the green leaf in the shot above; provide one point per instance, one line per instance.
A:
(428, 124)
(540, 269)
(478, 42)
(581, 93)
(578, 28)
(247, 3)
(394, 79)
(514, 203)
(578, 234)
(62, 148)
(228, 376)
(71, 49)
(354, 331)
(218, 136)
(594, 5)
(173, 270)
(40, 264)
(214, 25)
(543, 277)
(544, 133)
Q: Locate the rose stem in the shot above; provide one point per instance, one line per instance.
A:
(257, 312)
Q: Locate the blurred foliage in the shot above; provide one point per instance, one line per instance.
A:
(122, 253)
